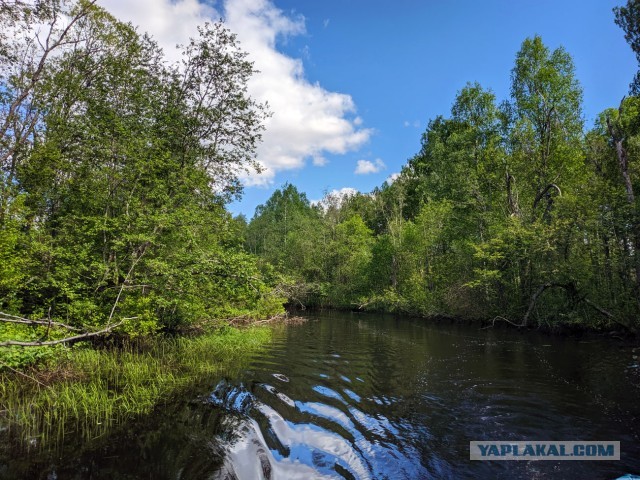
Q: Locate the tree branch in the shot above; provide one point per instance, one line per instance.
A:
(18, 372)
(75, 338)
(543, 192)
(493, 323)
(571, 289)
(533, 301)
(5, 317)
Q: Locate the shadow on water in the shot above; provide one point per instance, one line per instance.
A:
(371, 397)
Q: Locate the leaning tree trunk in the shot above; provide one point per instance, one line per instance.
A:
(623, 164)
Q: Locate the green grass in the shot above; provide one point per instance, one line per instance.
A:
(98, 389)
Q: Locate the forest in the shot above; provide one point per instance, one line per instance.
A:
(512, 210)
(122, 270)
(117, 167)
(124, 274)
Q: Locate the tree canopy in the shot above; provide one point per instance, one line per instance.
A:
(116, 168)
(508, 211)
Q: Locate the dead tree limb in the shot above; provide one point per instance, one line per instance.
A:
(618, 138)
(545, 191)
(5, 317)
(532, 302)
(141, 252)
(571, 290)
(493, 323)
(18, 372)
(85, 335)
(362, 305)
(512, 196)
(607, 314)
(75, 338)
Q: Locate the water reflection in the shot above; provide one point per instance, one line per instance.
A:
(378, 398)
(365, 397)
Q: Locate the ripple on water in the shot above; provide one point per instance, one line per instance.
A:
(329, 393)
(352, 395)
(382, 404)
(281, 377)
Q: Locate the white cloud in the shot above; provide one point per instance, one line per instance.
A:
(343, 192)
(335, 197)
(308, 120)
(169, 22)
(392, 178)
(326, 22)
(319, 161)
(366, 167)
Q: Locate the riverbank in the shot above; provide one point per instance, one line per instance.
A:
(343, 392)
(88, 391)
(562, 327)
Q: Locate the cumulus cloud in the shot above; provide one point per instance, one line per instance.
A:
(335, 197)
(365, 167)
(392, 178)
(170, 23)
(308, 120)
(319, 161)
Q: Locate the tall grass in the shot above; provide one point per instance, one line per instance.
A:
(103, 388)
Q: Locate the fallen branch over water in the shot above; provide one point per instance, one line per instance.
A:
(493, 323)
(572, 292)
(247, 320)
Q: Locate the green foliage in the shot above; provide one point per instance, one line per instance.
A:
(507, 210)
(24, 357)
(116, 168)
(628, 18)
(99, 389)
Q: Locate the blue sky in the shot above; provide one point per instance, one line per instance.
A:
(402, 63)
(358, 80)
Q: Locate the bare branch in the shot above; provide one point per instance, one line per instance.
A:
(141, 251)
(5, 317)
(76, 338)
(545, 191)
(533, 301)
(493, 323)
(571, 290)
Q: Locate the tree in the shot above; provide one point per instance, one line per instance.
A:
(613, 150)
(287, 232)
(349, 259)
(628, 18)
(32, 34)
(547, 122)
(118, 167)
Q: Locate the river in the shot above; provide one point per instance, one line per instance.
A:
(360, 396)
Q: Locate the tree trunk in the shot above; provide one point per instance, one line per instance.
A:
(623, 163)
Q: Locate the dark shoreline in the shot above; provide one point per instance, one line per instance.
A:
(560, 329)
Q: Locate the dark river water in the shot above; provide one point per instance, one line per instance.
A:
(370, 397)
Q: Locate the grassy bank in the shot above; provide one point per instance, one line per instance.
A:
(90, 390)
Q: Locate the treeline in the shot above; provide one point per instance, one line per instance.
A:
(509, 211)
(116, 166)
